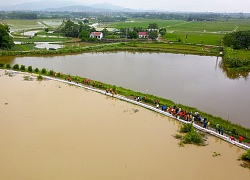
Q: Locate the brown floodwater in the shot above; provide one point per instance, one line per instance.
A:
(196, 81)
(50, 130)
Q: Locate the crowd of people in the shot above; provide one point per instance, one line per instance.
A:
(178, 112)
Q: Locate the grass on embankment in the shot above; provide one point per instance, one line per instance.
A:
(236, 60)
(146, 98)
(131, 46)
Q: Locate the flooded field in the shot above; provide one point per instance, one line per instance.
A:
(51, 130)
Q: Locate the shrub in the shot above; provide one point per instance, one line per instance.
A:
(26, 78)
(39, 77)
(51, 72)
(36, 70)
(8, 66)
(178, 136)
(193, 137)
(246, 156)
(22, 67)
(16, 66)
(44, 71)
(30, 68)
(186, 128)
(1, 64)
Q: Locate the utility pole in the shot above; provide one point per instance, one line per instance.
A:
(126, 34)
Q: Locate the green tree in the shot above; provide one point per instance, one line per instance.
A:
(133, 35)
(153, 26)
(152, 35)
(105, 32)
(87, 28)
(162, 31)
(84, 35)
(6, 41)
(85, 21)
(237, 40)
(70, 29)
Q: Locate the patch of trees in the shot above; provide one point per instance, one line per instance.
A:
(6, 41)
(133, 33)
(71, 29)
(111, 19)
(20, 15)
(237, 40)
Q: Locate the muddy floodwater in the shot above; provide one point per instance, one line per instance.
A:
(50, 130)
(196, 81)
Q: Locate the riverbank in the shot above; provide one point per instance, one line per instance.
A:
(134, 46)
(53, 130)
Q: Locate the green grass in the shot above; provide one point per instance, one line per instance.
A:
(23, 47)
(143, 23)
(43, 39)
(194, 37)
(243, 54)
(19, 24)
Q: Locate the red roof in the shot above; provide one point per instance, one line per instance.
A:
(143, 34)
(96, 33)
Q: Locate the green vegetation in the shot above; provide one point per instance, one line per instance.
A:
(16, 67)
(191, 136)
(178, 136)
(150, 46)
(39, 77)
(232, 60)
(22, 68)
(186, 128)
(29, 68)
(237, 54)
(6, 41)
(44, 71)
(237, 40)
(246, 156)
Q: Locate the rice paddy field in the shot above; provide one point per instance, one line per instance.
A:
(197, 32)
(19, 24)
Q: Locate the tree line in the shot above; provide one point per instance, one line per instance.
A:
(82, 30)
(6, 41)
(237, 40)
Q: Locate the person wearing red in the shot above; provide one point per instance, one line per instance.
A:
(241, 139)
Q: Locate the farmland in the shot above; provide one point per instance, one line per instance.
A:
(198, 32)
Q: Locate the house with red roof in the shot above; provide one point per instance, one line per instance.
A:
(143, 35)
(97, 35)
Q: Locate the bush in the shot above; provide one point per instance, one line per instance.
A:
(8, 66)
(39, 77)
(193, 137)
(16, 66)
(186, 128)
(51, 72)
(36, 70)
(246, 156)
(22, 67)
(178, 136)
(1, 64)
(44, 71)
(30, 68)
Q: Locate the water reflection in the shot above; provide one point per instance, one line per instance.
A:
(233, 74)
